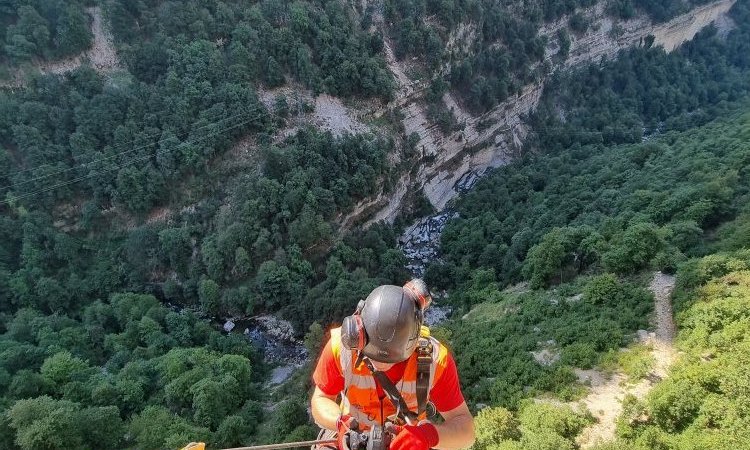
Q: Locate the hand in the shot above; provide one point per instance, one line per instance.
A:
(343, 425)
(411, 437)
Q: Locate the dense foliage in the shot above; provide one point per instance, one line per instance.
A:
(43, 29)
(506, 49)
(128, 192)
(703, 402)
(646, 91)
(132, 182)
(620, 208)
(270, 242)
(315, 42)
(659, 11)
(498, 63)
(568, 327)
(127, 367)
(537, 426)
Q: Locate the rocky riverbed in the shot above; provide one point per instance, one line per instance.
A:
(421, 241)
(274, 337)
(421, 245)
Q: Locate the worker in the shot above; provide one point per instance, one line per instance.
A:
(386, 336)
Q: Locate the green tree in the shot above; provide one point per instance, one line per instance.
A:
(272, 284)
(211, 401)
(602, 289)
(493, 425)
(639, 244)
(231, 432)
(63, 367)
(137, 187)
(212, 258)
(157, 428)
(273, 75)
(72, 33)
(47, 423)
(209, 295)
(310, 230)
(29, 36)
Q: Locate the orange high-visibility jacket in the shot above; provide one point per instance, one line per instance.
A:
(360, 397)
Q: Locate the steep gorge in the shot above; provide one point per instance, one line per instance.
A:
(491, 139)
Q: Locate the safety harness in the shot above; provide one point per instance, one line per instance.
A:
(424, 362)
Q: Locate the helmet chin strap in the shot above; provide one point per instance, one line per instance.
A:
(360, 357)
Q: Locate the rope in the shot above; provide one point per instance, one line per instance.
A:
(287, 445)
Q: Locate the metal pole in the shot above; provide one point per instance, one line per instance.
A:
(287, 445)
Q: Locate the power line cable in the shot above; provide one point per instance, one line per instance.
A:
(142, 158)
(532, 130)
(120, 166)
(270, 113)
(164, 111)
(116, 155)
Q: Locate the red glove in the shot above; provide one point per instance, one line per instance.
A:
(343, 425)
(411, 437)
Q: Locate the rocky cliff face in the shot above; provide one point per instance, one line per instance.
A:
(492, 139)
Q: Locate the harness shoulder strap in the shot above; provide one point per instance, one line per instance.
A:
(424, 363)
(402, 409)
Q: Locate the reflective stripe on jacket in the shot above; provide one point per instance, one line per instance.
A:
(360, 397)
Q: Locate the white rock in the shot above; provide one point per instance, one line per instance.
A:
(281, 374)
(546, 357)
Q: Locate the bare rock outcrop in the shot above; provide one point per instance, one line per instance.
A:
(606, 36)
(327, 113)
(684, 28)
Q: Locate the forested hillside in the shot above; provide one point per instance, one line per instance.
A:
(573, 175)
(509, 51)
(142, 205)
(86, 273)
(43, 30)
(86, 157)
(596, 304)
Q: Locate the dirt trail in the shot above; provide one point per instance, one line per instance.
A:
(606, 395)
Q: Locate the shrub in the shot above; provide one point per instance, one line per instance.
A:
(602, 289)
(493, 425)
(580, 354)
(543, 418)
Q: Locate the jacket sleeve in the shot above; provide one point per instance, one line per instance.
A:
(327, 375)
(446, 391)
